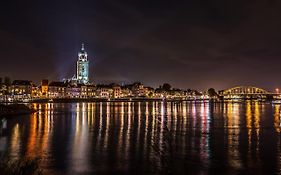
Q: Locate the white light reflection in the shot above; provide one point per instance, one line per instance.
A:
(107, 118)
(80, 146)
(205, 133)
(15, 142)
(120, 144)
(277, 116)
(233, 129)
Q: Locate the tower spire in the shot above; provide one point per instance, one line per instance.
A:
(82, 48)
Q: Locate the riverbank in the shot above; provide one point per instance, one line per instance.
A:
(14, 109)
(73, 100)
(137, 99)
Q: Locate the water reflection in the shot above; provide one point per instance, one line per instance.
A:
(233, 131)
(277, 123)
(147, 137)
(15, 141)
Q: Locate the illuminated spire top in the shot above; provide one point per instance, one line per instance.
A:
(82, 55)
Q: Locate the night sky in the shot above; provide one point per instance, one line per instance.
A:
(189, 44)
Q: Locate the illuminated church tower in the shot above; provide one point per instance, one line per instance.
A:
(82, 73)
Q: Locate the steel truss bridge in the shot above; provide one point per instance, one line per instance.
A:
(246, 92)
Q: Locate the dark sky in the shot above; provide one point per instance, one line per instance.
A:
(189, 44)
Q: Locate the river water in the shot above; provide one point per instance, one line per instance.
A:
(148, 138)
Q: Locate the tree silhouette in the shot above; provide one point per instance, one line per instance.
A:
(212, 92)
(166, 87)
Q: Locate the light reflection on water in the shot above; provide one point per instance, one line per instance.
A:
(148, 137)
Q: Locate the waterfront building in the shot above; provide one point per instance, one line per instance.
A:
(83, 90)
(82, 67)
(57, 89)
(160, 93)
(116, 91)
(91, 91)
(176, 93)
(104, 91)
(138, 89)
(73, 91)
(35, 91)
(3, 89)
(21, 89)
(44, 87)
(149, 92)
(87, 91)
(126, 91)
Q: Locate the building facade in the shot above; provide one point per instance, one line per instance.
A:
(57, 90)
(104, 91)
(82, 67)
(21, 89)
(44, 88)
(116, 91)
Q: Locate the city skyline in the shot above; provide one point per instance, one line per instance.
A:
(81, 76)
(187, 44)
